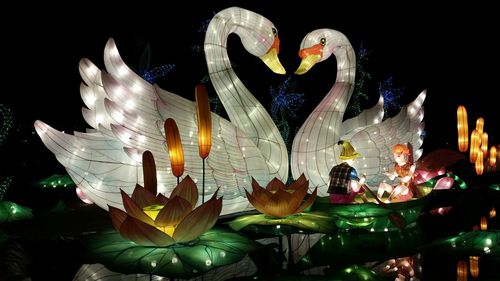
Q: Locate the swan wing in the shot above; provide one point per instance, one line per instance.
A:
(127, 115)
(368, 117)
(374, 142)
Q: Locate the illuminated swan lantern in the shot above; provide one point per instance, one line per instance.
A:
(127, 115)
(314, 149)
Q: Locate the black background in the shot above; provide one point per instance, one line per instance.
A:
(447, 50)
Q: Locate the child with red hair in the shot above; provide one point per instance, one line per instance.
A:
(403, 170)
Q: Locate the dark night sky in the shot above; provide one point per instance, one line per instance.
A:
(449, 51)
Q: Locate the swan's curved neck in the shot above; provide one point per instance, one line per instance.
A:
(346, 64)
(243, 109)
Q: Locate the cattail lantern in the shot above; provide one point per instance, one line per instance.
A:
(174, 146)
(480, 125)
(204, 121)
(463, 129)
(203, 115)
(474, 145)
(493, 156)
(479, 162)
(484, 144)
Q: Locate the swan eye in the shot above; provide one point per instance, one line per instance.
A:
(322, 41)
(275, 32)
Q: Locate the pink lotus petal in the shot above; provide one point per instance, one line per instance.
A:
(134, 210)
(144, 234)
(173, 212)
(117, 217)
(444, 183)
(186, 189)
(143, 197)
(199, 220)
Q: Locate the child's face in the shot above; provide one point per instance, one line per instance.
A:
(400, 158)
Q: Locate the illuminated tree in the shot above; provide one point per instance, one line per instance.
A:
(284, 106)
(7, 120)
(359, 95)
(392, 96)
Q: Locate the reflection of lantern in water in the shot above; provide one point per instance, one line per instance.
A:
(493, 212)
(474, 145)
(463, 129)
(479, 163)
(484, 223)
(484, 143)
(474, 266)
(493, 156)
(462, 271)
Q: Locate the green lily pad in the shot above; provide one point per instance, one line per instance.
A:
(10, 211)
(345, 247)
(370, 216)
(472, 243)
(215, 248)
(356, 273)
(314, 221)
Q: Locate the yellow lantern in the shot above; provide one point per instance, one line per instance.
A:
(463, 129)
(479, 163)
(474, 145)
(204, 121)
(484, 143)
(493, 212)
(462, 271)
(484, 223)
(174, 146)
(493, 156)
(474, 266)
(480, 125)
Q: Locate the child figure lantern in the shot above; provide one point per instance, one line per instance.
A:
(403, 170)
(344, 181)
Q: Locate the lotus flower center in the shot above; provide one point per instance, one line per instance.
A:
(152, 212)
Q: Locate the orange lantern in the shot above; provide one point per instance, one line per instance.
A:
(463, 129)
(480, 125)
(474, 145)
(462, 271)
(493, 156)
(493, 212)
(484, 223)
(474, 266)
(174, 146)
(204, 121)
(479, 163)
(484, 143)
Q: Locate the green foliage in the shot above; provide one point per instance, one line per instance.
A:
(215, 248)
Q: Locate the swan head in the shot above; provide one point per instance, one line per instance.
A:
(270, 58)
(318, 46)
(258, 35)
